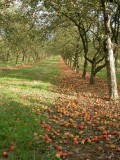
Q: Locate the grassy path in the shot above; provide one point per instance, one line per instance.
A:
(48, 112)
(23, 93)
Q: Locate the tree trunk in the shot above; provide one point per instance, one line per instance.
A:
(23, 58)
(70, 63)
(7, 57)
(16, 62)
(75, 64)
(116, 60)
(84, 69)
(29, 58)
(65, 60)
(111, 73)
(37, 57)
(92, 78)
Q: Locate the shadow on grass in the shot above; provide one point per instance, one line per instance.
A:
(17, 127)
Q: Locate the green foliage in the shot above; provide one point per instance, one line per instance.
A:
(20, 37)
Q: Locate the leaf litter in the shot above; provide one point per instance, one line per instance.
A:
(83, 124)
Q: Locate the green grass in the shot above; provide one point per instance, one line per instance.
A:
(102, 73)
(23, 93)
(12, 62)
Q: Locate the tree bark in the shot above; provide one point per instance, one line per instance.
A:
(92, 78)
(75, 63)
(85, 69)
(111, 72)
(116, 60)
(7, 57)
(110, 61)
(16, 61)
(23, 58)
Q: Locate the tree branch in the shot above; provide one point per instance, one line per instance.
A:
(100, 60)
(88, 59)
(100, 67)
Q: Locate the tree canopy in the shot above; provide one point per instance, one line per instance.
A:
(81, 30)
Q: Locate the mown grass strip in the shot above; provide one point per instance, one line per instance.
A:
(23, 98)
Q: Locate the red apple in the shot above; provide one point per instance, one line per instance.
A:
(60, 153)
(12, 148)
(95, 139)
(49, 127)
(81, 127)
(101, 137)
(118, 149)
(5, 154)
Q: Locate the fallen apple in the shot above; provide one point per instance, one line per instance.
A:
(12, 148)
(5, 154)
(81, 127)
